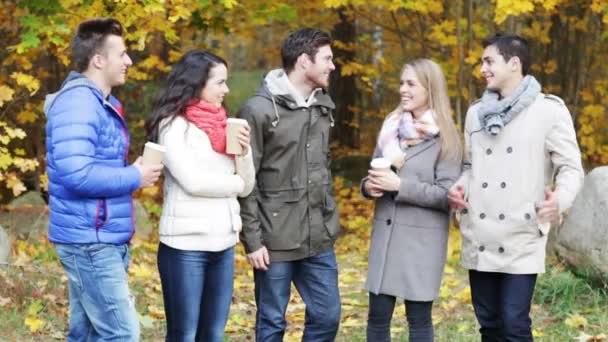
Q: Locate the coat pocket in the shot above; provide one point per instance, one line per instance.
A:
(282, 222)
(331, 218)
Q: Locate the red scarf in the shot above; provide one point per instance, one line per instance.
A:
(211, 120)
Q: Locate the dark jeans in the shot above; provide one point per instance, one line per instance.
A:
(316, 279)
(197, 291)
(502, 305)
(380, 313)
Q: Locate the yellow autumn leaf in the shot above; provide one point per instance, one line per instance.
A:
(6, 94)
(15, 185)
(30, 82)
(156, 312)
(463, 327)
(335, 3)
(141, 271)
(464, 295)
(589, 338)
(5, 301)
(537, 333)
(180, 12)
(150, 191)
(229, 4)
(5, 160)
(34, 324)
(44, 182)
(26, 116)
(576, 321)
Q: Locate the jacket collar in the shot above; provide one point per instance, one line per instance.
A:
(423, 146)
(277, 86)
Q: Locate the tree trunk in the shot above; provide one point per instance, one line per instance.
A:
(342, 88)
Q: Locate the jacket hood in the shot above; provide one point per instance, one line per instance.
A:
(277, 86)
(73, 80)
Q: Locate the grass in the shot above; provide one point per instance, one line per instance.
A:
(41, 293)
(242, 84)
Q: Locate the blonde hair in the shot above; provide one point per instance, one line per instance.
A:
(431, 77)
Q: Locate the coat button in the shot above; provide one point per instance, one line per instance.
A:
(388, 222)
(482, 216)
(501, 250)
(489, 151)
(501, 216)
(482, 248)
(465, 211)
(307, 145)
(503, 185)
(509, 149)
(527, 216)
(484, 185)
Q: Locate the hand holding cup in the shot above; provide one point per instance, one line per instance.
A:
(237, 141)
(244, 139)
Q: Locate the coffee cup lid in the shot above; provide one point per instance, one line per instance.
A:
(237, 120)
(156, 146)
(380, 163)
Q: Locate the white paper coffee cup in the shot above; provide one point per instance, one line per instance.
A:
(380, 164)
(232, 131)
(153, 153)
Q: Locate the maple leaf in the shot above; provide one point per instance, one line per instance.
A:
(30, 82)
(576, 321)
(34, 324)
(6, 94)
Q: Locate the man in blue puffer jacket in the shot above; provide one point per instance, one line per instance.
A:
(90, 185)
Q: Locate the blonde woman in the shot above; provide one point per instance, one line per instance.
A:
(411, 220)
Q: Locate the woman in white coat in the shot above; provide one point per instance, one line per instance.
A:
(200, 221)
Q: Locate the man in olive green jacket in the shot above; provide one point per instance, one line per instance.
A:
(290, 220)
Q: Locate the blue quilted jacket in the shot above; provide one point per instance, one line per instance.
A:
(90, 181)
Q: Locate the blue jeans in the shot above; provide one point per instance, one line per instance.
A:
(197, 291)
(380, 314)
(316, 279)
(502, 305)
(101, 307)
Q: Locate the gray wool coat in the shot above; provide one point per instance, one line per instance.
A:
(410, 227)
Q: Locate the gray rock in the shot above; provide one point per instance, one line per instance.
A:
(28, 216)
(5, 246)
(29, 199)
(582, 240)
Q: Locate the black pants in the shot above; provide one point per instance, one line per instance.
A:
(502, 305)
(380, 314)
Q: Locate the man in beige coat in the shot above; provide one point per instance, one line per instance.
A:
(522, 170)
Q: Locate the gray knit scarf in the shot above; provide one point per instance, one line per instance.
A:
(494, 113)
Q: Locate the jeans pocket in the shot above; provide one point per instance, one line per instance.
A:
(70, 265)
(96, 248)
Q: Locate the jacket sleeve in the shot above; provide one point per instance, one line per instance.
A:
(194, 177)
(74, 126)
(464, 178)
(428, 195)
(566, 158)
(245, 169)
(251, 234)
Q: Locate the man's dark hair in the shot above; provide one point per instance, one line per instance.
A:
(510, 45)
(89, 39)
(306, 40)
